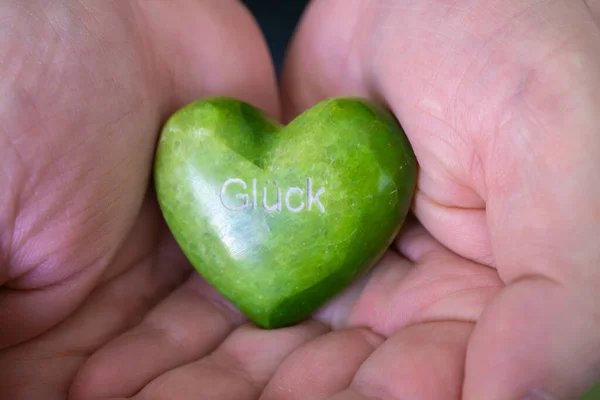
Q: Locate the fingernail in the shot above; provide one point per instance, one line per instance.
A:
(537, 395)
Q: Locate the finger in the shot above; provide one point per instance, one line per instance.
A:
(186, 326)
(238, 369)
(538, 340)
(415, 243)
(120, 69)
(337, 312)
(388, 51)
(594, 6)
(43, 305)
(219, 60)
(464, 227)
(66, 211)
(323, 41)
(424, 361)
(481, 138)
(348, 394)
(45, 366)
(323, 366)
(542, 217)
(396, 294)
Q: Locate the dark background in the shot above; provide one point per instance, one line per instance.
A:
(277, 18)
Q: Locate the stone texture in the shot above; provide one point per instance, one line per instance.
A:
(279, 266)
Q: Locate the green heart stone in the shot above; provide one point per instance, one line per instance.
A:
(281, 219)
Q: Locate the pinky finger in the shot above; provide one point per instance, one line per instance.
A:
(323, 366)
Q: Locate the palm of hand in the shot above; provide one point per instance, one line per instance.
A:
(127, 326)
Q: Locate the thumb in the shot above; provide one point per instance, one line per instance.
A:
(539, 337)
(80, 125)
(210, 48)
(498, 104)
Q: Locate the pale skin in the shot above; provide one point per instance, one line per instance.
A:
(490, 293)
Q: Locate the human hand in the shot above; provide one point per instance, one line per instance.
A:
(499, 100)
(97, 301)
(84, 255)
(132, 266)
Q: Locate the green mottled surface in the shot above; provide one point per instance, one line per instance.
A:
(278, 267)
(593, 394)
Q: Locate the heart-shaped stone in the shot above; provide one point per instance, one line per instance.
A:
(280, 219)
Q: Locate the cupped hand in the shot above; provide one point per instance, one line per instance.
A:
(500, 102)
(97, 301)
(85, 259)
(496, 303)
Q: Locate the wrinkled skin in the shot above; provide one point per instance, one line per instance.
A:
(492, 294)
